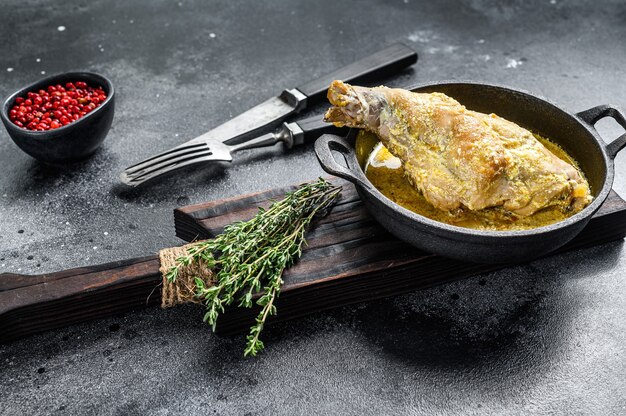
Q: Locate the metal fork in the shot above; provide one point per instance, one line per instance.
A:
(212, 150)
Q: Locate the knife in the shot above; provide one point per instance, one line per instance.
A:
(270, 113)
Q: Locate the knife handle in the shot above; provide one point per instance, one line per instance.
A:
(31, 304)
(380, 64)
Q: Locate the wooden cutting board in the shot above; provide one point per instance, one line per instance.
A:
(349, 259)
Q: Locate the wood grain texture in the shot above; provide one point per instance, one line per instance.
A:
(31, 304)
(350, 258)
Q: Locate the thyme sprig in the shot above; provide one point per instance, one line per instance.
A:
(250, 256)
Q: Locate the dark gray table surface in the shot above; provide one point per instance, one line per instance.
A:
(545, 337)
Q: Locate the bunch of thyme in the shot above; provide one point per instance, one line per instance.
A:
(250, 256)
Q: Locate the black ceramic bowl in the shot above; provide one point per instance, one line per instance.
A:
(74, 141)
(574, 132)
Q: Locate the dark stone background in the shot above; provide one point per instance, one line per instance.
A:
(545, 337)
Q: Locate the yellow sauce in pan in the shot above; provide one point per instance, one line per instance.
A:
(386, 173)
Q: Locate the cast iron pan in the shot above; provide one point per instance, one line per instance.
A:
(574, 132)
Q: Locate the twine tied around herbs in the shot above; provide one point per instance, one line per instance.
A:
(183, 289)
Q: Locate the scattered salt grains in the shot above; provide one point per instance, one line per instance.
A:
(106, 233)
(61, 28)
(422, 36)
(67, 223)
(513, 63)
(9, 69)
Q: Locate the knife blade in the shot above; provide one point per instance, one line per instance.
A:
(272, 112)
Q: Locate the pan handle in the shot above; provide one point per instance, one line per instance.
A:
(593, 115)
(325, 145)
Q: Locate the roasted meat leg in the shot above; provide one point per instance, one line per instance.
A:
(461, 159)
